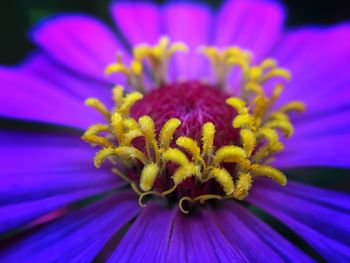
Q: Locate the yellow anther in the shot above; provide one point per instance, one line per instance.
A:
(130, 124)
(177, 47)
(236, 103)
(163, 42)
(136, 67)
(118, 93)
(91, 136)
(175, 156)
(212, 53)
(102, 155)
(98, 105)
(130, 136)
(223, 177)
(167, 132)
(190, 146)
(277, 72)
(293, 106)
(254, 87)
(229, 153)
(261, 104)
(129, 101)
(272, 138)
(127, 152)
(117, 68)
(147, 127)
(268, 171)
(141, 51)
(184, 172)
(243, 185)
(277, 91)
(243, 121)
(248, 140)
(208, 133)
(148, 176)
(118, 126)
(285, 126)
(255, 73)
(268, 63)
(124, 152)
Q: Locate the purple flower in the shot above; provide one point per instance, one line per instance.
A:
(189, 133)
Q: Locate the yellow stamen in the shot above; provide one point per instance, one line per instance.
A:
(118, 126)
(148, 176)
(223, 177)
(91, 136)
(268, 171)
(248, 140)
(183, 172)
(243, 186)
(229, 154)
(190, 146)
(175, 156)
(99, 106)
(208, 133)
(167, 132)
(129, 101)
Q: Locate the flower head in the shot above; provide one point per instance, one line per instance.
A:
(192, 132)
(169, 142)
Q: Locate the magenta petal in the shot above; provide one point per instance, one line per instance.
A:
(77, 237)
(190, 24)
(139, 23)
(251, 24)
(322, 224)
(79, 42)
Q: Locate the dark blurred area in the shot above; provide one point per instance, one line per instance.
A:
(18, 16)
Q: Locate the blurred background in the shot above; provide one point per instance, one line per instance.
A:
(18, 16)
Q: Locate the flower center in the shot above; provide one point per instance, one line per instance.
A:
(194, 104)
(190, 141)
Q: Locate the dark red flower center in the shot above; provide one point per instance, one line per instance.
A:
(193, 103)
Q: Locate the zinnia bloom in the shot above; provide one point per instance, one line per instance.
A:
(195, 115)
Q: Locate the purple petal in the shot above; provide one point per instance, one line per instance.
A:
(29, 97)
(240, 228)
(196, 238)
(49, 71)
(79, 42)
(150, 231)
(79, 236)
(323, 54)
(41, 173)
(190, 24)
(331, 150)
(324, 225)
(251, 24)
(139, 22)
(319, 62)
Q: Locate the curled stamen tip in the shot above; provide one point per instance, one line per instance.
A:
(140, 200)
(182, 209)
